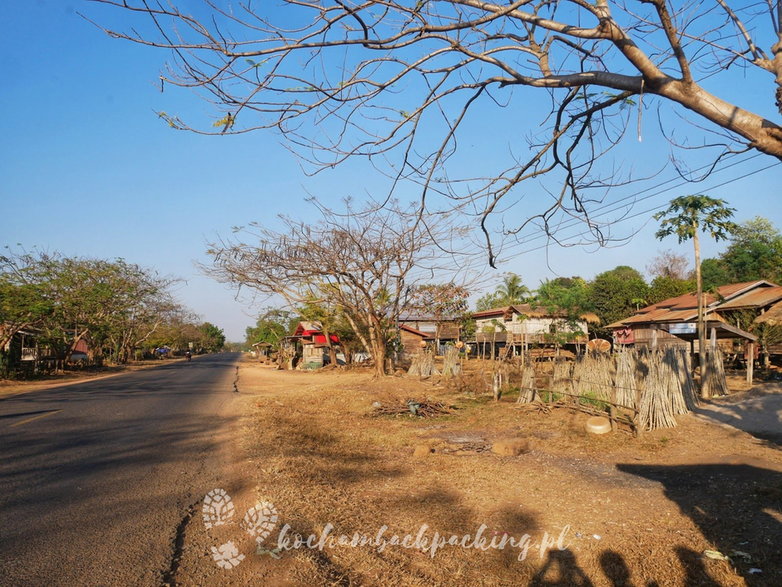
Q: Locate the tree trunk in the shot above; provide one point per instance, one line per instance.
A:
(378, 350)
(332, 352)
(701, 323)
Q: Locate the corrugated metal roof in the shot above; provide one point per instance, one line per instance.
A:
(727, 291)
(532, 312)
(684, 308)
(412, 330)
(757, 298)
(772, 316)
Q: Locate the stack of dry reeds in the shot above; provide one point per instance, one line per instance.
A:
(593, 376)
(678, 360)
(451, 365)
(713, 382)
(499, 379)
(625, 386)
(668, 388)
(656, 407)
(527, 392)
(562, 377)
(423, 364)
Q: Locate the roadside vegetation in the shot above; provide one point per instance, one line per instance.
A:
(60, 312)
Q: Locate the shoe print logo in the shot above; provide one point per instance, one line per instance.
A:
(258, 522)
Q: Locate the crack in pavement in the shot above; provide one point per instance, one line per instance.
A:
(169, 576)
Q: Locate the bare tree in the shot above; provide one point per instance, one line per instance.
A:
(399, 82)
(669, 264)
(361, 261)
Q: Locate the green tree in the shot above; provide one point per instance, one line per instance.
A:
(754, 252)
(714, 273)
(111, 304)
(212, 338)
(663, 287)
(565, 294)
(271, 326)
(613, 294)
(23, 300)
(686, 217)
(510, 291)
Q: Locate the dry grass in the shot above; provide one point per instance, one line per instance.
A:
(314, 452)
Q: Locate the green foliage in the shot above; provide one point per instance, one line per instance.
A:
(714, 273)
(663, 287)
(565, 294)
(511, 291)
(212, 338)
(590, 399)
(755, 252)
(613, 294)
(113, 305)
(688, 214)
(270, 327)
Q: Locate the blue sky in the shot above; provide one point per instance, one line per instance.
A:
(88, 169)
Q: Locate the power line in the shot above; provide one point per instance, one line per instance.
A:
(620, 203)
(654, 209)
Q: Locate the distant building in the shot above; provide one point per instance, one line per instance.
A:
(521, 325)
(674, 321)
(312, 343)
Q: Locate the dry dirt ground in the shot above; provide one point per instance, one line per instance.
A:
(625, 511)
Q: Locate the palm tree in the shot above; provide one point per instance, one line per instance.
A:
(511, 290)
(686, 217)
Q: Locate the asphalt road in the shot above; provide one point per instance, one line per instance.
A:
(98, 480)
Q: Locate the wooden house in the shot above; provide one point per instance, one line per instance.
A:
(412, 340)
(443, 329)
(521, 325)
(312, 343)
(726, 311)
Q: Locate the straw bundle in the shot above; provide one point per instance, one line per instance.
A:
(562, 377)
(685, 399)
(656, 407)
(594, 375)
(713, 376)
(625, 386)
(423, 364)
(527, 392)
(451, 365)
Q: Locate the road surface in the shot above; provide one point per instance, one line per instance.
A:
(98, 480)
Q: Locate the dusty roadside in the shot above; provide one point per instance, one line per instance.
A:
(652, 510)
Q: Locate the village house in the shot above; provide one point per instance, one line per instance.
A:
(311, 344)
(519, 326)
(443, 330)
(412, 341)
(728, 311)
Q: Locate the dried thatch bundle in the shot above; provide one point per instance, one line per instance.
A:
(527, 391)
(656, 409)
(423, 364)
(451, 365)
(713, 380)
(562, 377)
(499, 379)
(593, 375)
(625, 386)
(685, 399)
